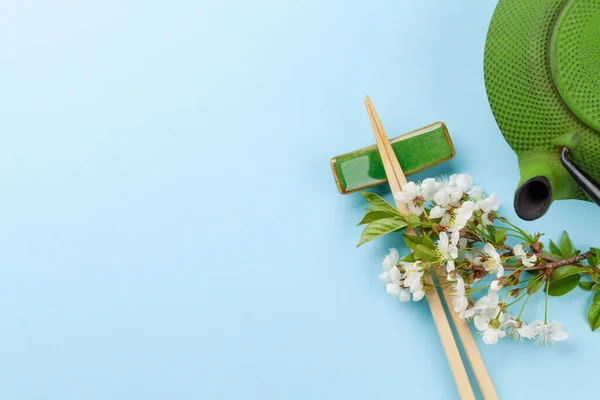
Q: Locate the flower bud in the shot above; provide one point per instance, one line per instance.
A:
(451, 275)
(470, 278)
(514, 292)
(513, 279)
(478, 275)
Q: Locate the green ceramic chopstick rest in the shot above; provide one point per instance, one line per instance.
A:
(542, 76)
(416, 150)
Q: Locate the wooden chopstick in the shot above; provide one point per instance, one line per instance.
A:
(477, 366)
(396, 180)
(472, 352)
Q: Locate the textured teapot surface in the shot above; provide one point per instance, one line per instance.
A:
(542, 76)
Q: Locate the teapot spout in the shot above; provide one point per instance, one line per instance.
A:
(543, 180)
(533, 198)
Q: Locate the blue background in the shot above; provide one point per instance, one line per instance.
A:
(170, 228)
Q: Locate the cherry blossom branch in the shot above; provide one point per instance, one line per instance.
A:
(558, 263)
(554, 263)
(457, 236)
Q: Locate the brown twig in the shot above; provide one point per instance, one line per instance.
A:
(548, 258)
(555, 264)
(509, 248)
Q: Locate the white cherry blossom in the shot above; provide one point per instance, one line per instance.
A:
(496, 285)
(413, 280)
(516, 329)
(404, 295)
(488, 317)
(493, 262)
(462, 216)
(491, 335)
(393, 285)
(437, 212)
(445, 220)
(522, 255)
(429, 187)
(476, 192)
(448, 250)
(464, 182)
(389, 262)
(442, 201)
(460, 301)
(491, 203)
(487, 206)
(409, 192)
(549, 333)
(391, 276)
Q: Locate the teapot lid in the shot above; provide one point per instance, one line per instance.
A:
(575, 59)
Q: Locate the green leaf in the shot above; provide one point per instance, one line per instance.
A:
(413, 220)
(554, 249)
(409, 258)
(594, 258)
(596, 287)
(552, 255)
(427, 242)
(412, 241)
(563, 272)
(563, 280)
(564, 286)
(425, 253)
(379, 228)
(377, 203)
(586, 285)
(596, 299)
(534, 285)
(375, 216)
(594, 316)
(566, 247)
(500, 235)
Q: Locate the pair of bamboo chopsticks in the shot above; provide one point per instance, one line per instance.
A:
(396, 180)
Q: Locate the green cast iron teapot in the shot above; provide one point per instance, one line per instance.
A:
(542, 77)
